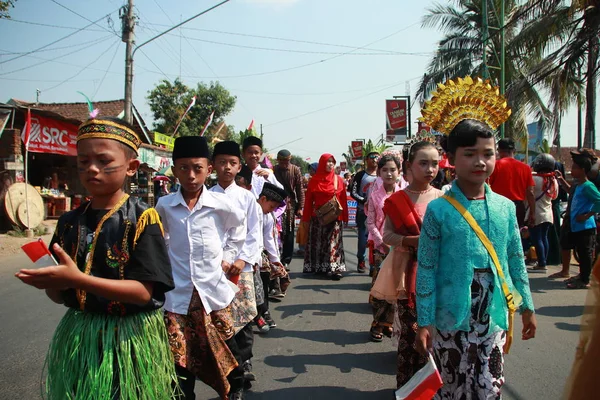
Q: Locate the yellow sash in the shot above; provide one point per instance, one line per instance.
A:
(510, 299)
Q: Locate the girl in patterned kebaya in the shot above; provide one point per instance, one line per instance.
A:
(471, 276)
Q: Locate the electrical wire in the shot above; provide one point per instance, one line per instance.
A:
(280, 39)
(57, 40)
(53, 59)
(48, 25)
(82, 69)
(106, 73)
(93, 41)
(334, 105)
(397, 53)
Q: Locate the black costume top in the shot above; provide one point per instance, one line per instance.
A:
(129, 245)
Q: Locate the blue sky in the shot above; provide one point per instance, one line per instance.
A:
(317, 96)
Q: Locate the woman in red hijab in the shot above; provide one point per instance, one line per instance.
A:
(324, 253)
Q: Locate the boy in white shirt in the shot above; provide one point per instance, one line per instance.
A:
(198, 311)
(253, 153)
(227, 164)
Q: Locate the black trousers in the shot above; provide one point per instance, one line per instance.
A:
(288, 246)
(245, 341)
(187, 379)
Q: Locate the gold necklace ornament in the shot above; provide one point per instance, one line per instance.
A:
(464, 98)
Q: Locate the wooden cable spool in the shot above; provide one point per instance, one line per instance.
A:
(16, 207)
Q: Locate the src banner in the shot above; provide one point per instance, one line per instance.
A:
(396, 112)
(52, 136)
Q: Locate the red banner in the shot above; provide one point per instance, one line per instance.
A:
(357, 149)
(51, 136)
(423, 128)
(396, 112)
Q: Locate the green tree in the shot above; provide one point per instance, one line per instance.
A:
(168, 101)
(5, 5)
(300, 163)
(460, 53)
(568, 36)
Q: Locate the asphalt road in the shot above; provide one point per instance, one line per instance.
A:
(321, 347)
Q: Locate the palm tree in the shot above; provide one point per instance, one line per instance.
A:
(460, 53)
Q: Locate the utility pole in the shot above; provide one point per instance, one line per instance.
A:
(128, 24)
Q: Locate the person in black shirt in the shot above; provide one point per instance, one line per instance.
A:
(113, 275)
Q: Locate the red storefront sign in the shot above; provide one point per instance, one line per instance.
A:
(423, 128)
(357, 149)
(51, 136)
(396, 112)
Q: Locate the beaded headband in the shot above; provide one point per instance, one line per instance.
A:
(463, 99)
(105, 129)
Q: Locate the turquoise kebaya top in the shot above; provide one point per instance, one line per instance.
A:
(449, 251)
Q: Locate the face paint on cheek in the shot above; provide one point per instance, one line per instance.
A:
(112, 170)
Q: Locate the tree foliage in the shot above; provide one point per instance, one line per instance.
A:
(169, 100)
(5, 5)
(300, 163)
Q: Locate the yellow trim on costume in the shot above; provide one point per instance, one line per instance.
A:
(148, 217)
(110, 123)
(82, 294)
(511, 300)
(103, 135)
(462, 99)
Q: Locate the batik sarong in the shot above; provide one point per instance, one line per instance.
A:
(324, 252)
(471, 363)
(198, 343)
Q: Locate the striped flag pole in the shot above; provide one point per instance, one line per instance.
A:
(192, 104)
(208, 122)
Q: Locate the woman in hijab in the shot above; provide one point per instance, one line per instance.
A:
(324, 253)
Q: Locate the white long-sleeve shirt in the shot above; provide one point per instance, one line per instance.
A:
(258, 181)
(269, 242)
(195, 242)
(245, 201)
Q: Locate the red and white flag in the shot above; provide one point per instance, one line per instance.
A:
(423, 385)
(187, 110)
(208, 122)
(251, 126)
(38, 253)
(27, 130)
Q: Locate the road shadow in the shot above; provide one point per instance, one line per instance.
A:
(363, 287)
(560, 311)
(511, 392)
(338, 337)
(383, 363)
(568, 327)
(320, 393)
(324, 309)
(539, 283)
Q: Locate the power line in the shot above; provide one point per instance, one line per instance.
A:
(342, 102)
(334, 105)
(280, 39)
(83, 68)
(397, 53)
(106, 73)
(87, 19)
(52, 59)
(93, 41)
(49, 25)
(307, 64)
(57, 40)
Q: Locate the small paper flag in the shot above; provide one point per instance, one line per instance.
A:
(38, 253)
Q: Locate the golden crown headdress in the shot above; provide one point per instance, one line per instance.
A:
(462, 99)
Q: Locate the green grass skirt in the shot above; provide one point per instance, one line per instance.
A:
(98, 356)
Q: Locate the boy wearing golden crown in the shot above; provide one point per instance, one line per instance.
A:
(471, 276)
(113, 275)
